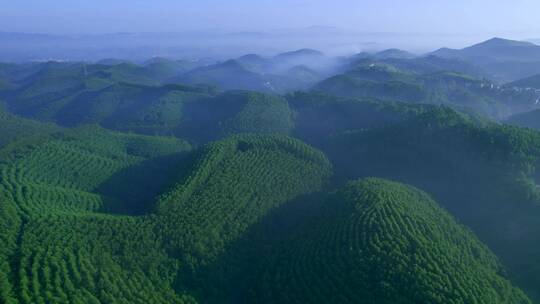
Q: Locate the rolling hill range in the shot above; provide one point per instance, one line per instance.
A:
(229, 75)
(197, 113)
(382, 80)
(123, 106)
(387, 54)
(495, 50)
(426, 64)
(284, 73)
(170, 109)
(120, 194)
(247, 72)
(60, 193)
(296, 178)
(485, 174)
(506, 60)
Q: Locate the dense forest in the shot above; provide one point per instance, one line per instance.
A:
(300, 178)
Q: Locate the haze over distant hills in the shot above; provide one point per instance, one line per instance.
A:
(217, 44)
(506, 59)
(475, 77)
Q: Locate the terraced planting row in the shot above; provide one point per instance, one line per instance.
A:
(61, 250)
(94, 259)
(56, 249)
(235, 183)
(63, 174)
(483, 172)
(383, 242)
(10, 226)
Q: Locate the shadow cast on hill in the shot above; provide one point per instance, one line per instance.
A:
(135, 190)
(232, 277)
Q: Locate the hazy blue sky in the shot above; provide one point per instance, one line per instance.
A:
(503, 17)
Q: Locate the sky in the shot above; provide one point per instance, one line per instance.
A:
(515, 19)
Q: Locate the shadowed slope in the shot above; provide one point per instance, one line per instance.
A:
(384, 242)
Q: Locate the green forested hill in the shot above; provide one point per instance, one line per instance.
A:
(197, 113)
(447, 85)
(62, 245)
(228, 75)
(346, 85)
(58, 248)
(319, 115)
(234, 183)
(236, 112)
(117, 187)
(14, 128)
(121, 106)
(141, 109)
(384, 242)
(78, 162)
(482, 172)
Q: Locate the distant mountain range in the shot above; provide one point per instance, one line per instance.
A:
(387, 54)
(506, 59)
(17, 47)
(486, 77)
(494, 50)
(501, 60)
(221, 45)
